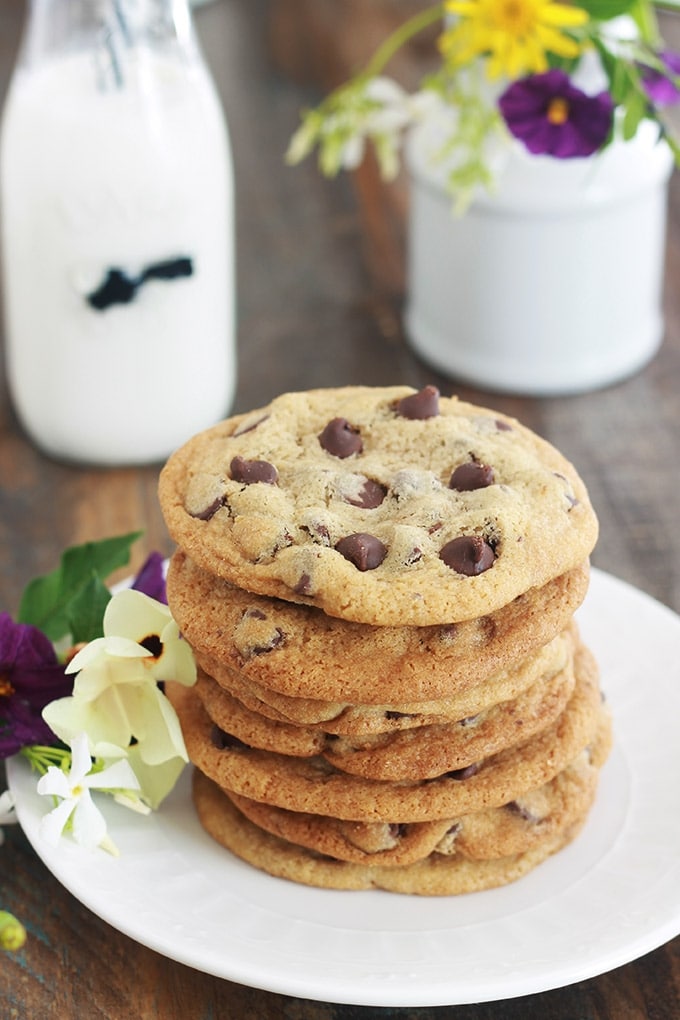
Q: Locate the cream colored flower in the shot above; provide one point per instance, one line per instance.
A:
(116, 699)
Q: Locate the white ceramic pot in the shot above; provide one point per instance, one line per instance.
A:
(551, 285)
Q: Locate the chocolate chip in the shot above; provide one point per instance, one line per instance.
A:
(524, 812)
(414, 555)
(210, 511)
(468, 554)
(448, 633)
(469, 770)
(397, 830)
(303, 585)
(420, 405)
(340, 438)
(249, 426)
(503, 426)
(225, 741)
(369, 496)
(253, 613)
(487, 627)
(273, 642)
(471, 475)
(366, 552)
(250, 471)
(318, 532)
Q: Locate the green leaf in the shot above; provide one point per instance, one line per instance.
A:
(603, 10)
(86, 611)
(59, 601)
(635, 111)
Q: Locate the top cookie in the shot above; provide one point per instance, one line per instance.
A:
(385, 506)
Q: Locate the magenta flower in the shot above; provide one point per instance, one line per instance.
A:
(660, 87)
(151, 578)
(30, 677)
(554, 118)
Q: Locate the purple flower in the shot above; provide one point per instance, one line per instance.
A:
(660, 87)
(554, 118)
(151, 578)
(30, 677)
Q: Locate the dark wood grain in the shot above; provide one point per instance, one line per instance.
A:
(320, 288)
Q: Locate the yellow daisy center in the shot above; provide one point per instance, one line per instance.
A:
(512, 16)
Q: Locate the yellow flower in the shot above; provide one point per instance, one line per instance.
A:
(515, 35)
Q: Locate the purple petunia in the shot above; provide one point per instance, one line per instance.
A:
(30, 677)
(660, 87)
(151, 578)
(554, 118)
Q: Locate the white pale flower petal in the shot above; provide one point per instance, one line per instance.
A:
(157, 729)
(103, 750)
(174, 735)
(388, 119)
(385, 90)
(89, 826)
(134, 615)
(54, 783)
(170, 631)
(103, 720)
(87, 655)
(423, 103)
(81, 762)
(176, 662)
(352, 152)
(132, 801)
(7, 808)
(92, 681)
(156, 780)
(52, 825)
(118, 776)
(115, 646)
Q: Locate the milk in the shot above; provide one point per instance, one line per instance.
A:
(133, 180)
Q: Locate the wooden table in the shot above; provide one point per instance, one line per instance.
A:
(320, 286)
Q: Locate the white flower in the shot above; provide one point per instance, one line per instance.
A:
(116, 698)
(137, 626)
(7, 812)
(376, 109)
(76, 804)
(156, 780)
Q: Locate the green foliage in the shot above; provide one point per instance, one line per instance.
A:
(70, 601)
(603, 10)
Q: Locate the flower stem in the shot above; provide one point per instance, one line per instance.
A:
(393, 43)
(42, 756)
(644, 16)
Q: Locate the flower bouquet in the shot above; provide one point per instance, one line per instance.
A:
(544, 126)
(565, 80)
(81, 694)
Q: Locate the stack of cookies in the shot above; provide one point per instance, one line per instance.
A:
(379, 587)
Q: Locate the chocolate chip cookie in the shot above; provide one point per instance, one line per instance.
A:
(301, 652)
(384, 506)
(314, 785)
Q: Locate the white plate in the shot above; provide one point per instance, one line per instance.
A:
(610, 897)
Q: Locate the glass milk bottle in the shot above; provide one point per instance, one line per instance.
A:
(117, 232)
